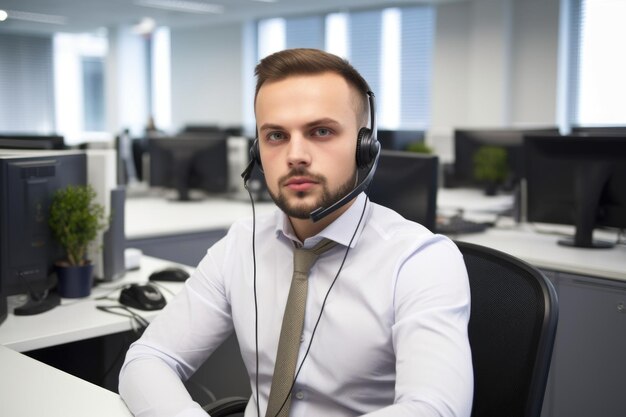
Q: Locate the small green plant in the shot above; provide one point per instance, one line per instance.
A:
(490, 164)
(419, 147)
(75, 220)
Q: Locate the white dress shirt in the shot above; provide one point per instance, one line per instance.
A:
(391, 341)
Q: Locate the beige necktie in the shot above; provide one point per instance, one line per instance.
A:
(291, 330)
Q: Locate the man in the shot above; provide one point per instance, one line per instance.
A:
(385, 323)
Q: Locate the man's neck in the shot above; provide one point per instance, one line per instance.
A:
(306, 228)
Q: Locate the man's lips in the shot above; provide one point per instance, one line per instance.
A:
(300, 183)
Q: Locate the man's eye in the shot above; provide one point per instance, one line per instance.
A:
(322, 131)
(274, 136)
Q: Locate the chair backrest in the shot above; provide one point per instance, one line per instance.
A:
(512, 327)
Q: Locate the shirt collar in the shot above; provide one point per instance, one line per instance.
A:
(340, 231)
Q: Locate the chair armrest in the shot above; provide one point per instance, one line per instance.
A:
(226, 406)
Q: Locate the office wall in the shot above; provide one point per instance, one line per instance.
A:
(207, 68)
(535, 46)
(495, 63)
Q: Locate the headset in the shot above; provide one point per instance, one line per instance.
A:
(367, 155)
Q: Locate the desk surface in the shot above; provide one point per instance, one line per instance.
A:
(151, 216)
(542, 250)
(78, 319)
(30, 388)
(158, 217)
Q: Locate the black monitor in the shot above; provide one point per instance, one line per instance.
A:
(407, 183)
(27, 248)
(398, 140)
(468, 141)
(19, 141)
(577, 180)
(185, 162)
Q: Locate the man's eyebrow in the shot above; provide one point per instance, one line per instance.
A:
(318, 122)
(270, 126)
(323, 121)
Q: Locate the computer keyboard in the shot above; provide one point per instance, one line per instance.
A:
(458, 226)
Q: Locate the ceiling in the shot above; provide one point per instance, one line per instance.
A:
(90, 15)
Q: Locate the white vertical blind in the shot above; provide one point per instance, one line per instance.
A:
(305, 32)
(390, 47)
(601, 63)
(26, 84)
(418, 38)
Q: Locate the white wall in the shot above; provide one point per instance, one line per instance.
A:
(535, 62)
(207, 68)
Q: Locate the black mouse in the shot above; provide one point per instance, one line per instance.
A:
(172, 274)
(143, 297)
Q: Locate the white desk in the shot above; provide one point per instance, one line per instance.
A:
(152, 216)
(78, 319)
(542, 251)
(30, 388)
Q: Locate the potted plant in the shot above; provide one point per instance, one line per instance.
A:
(490, 166)
(75, 220)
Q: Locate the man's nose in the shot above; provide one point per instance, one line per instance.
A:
(298, 153)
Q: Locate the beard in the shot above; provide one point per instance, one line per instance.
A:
(300, 210)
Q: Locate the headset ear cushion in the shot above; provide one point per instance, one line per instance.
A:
(363, 145)
(255, 154)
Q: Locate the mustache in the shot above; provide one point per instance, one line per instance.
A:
(301, 172)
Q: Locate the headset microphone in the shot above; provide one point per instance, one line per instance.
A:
(367, 155)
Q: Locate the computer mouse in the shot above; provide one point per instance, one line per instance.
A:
(172, 274)
(143, 297)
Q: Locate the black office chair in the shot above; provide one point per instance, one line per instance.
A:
(512, 327)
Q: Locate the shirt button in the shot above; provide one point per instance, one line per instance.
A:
(300, 395)
(302, 339)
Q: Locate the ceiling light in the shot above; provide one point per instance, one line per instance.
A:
(37, 17)
(182, 6)
(3, 15)
(145, 26)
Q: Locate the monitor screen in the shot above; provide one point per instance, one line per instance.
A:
(577, 180)
(399, 139)
(469, 141)
(27, 248)
(32, 142)
(407, 183)
(186, 162)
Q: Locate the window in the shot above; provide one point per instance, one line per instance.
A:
(93, 94)
(26, 84)
(597, 63)
(391, 48)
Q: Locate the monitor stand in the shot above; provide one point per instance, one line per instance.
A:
(589, 183)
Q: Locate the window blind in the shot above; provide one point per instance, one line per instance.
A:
(26, 84)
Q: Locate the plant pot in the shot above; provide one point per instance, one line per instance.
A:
(74, 281)
(491, 189)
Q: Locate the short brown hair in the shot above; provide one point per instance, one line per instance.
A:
(305, 61)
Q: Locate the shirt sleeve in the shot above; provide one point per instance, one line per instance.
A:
(434, 375)
(177, 342)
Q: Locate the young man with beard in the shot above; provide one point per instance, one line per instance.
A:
(384, 331)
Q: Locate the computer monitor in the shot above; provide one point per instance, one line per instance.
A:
(468, 141)
(577, 180)
(398, 140)
(185, 162)
(27, 249)
(18, 141)
(407, 183)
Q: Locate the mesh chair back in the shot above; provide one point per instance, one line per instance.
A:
(512, 327)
